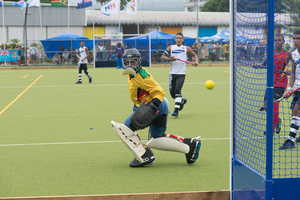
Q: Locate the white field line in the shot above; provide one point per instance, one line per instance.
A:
(102, 85)
(87, 142)
(115, 141)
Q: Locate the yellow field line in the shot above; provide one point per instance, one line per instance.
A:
(11, 103)
(25, 76)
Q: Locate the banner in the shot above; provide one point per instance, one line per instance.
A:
(11, 55)
(85, 4)
(131, 7)
(33, 3)
(110, 8)
(58, 3)
(0, 3)
(20, 3)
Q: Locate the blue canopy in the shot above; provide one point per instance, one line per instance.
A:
(222, 37)
(68, 40)
(159, 40)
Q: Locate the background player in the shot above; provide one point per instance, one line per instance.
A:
(294, 81)
(281, 59)
(119, 53)
(143, 88)
(82, 65)
(178, 70)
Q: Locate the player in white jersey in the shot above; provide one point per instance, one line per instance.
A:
(82, 65)
(178, 70)
(294, 82)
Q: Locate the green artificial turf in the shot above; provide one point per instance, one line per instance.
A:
(65, 145)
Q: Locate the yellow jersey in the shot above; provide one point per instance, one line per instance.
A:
(143, 87)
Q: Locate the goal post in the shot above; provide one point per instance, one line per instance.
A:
(260, 168)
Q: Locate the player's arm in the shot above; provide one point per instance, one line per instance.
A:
(292, 79)
(192, 53)
(166, 55)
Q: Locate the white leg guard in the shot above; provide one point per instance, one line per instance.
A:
(130, 139)
(168, 144)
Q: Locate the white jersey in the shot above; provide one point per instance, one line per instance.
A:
(83, 54)
(296, 58)
(178, 67)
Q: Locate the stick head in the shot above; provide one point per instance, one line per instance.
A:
(129, 71)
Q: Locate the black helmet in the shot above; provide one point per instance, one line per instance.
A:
(131, 55)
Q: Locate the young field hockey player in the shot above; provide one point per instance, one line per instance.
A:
(294, 82)
(151, 110)
(281, 60)
(82, 65)
(178, 70)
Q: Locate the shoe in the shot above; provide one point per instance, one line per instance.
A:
(193, 154)
(298, 139)
(175, 113)
(90, 79)
(262, 109)
(78, 82)
(148, 157)
(183, 101)
(288, 144)
(278, 126)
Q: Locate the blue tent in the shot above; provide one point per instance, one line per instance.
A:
(159, 40)
(222, 37)
(68, 40)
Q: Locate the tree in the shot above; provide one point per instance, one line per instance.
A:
(216, 6)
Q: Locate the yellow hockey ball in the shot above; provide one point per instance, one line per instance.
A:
(209, 84)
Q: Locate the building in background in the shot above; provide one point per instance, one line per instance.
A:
(191, 5)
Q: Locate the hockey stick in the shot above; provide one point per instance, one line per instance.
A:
(285, 96)
(176, 58)
(79, 59)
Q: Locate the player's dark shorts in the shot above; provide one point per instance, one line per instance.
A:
(277, 93)
(296, 99)
(83, 66)
(33, 57)
(175, 84)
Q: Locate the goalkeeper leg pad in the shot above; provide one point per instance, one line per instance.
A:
(168, 144)
(131, 140)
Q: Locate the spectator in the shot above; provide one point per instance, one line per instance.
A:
(210, 48)
(144, 52)
(21, 53)
(72, 55)
(41, 57)
(32, 54)
(217, 49)
(90, 57)
(65, 56)
(255, 48)
(28, 56)
(62, 49)
(227, 46)
(261, 51)
(56, 58)
(202, 52)
(119, 53)
(100, 51)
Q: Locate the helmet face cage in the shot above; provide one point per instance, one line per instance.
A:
(132, 58)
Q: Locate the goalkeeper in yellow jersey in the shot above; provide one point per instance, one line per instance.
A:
(151, 110)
